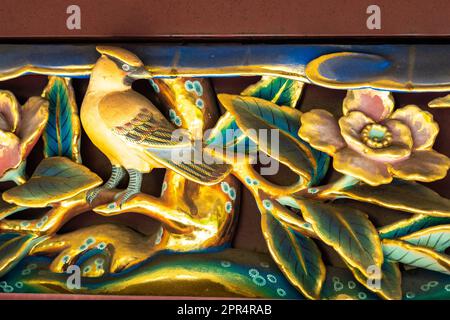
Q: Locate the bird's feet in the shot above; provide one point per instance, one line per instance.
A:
(93, 193)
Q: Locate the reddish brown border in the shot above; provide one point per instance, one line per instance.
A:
(168, 19)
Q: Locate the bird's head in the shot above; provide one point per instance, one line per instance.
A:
(117, 64)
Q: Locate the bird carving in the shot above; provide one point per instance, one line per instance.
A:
(132, 133)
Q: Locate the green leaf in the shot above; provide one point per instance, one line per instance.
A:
(390, 284)
(13, 248)
(404, 227)
(400, 195)
(63, 131)
(297, 256)
(55, 179)
(420, 257)
(347, 230)
(436, 238)
(281, 91)
(253, 115)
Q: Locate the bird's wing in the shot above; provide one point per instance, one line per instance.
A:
(146, 131)
(157, 139)
(198, 171)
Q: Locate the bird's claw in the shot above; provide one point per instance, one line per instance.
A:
(116, 206)
(92, 194)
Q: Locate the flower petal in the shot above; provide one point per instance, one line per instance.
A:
(9, 151)
(423, 165)
(351, 126)
(34, 115)
(423, 128)
(375, 104)
(9, 109)
(352, 163)
(321, 130)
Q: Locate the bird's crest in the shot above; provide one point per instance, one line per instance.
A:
(120, 54)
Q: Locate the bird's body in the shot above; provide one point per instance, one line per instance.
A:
(115, 109)
(130, 130)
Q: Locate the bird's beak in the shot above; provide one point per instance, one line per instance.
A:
(140, 73)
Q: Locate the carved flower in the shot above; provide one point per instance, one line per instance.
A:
(20, 128)
(374, 143)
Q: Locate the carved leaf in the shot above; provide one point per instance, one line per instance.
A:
(404, 227)
(63, 132)
(281, 91)
(55, 179)
(296, 255)
(399, 251)
(436, 238)
(400, 195)
(390, 284)
(347, 230)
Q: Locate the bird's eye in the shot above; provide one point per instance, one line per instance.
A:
(125, 67)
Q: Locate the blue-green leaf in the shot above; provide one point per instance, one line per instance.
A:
(436, 238)
(404, 227)
(62, 132)
(296, 255)
(388, 284)
(347, 230)
(54, 180)
(399, 195)
(281, 91)
(421, 257)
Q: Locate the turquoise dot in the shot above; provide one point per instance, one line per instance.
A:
(199, 103)
(99, 261)
(259, 281)
(225, 186)
(154, 85)
(410, 295)
(338, 286)
(281, 292)
(433, 283)
(8, 289)
(313, 190)
(39, 224)
(272, 278)
(26, 272)
(253, 272)
(90, 240)
(83, 247)
(25, 224)
(3, 284)
(101, 245)
(87, 269)
(178, 121)
(351, 285)
(198, 88)
(255, 182)
(172, 114)
(44, 219)
(362, 295)
(232, 193)
(65, 259)
(267, 204)
(188, 85)
(228, 207)
(225, 264)
(447, 287)
(19, 284)
(248, 180)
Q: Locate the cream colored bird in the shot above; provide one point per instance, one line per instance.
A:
(130, 130)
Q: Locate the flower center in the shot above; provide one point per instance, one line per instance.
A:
(376, 136)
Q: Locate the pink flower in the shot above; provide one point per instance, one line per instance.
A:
(374, 143)
(20, 129)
